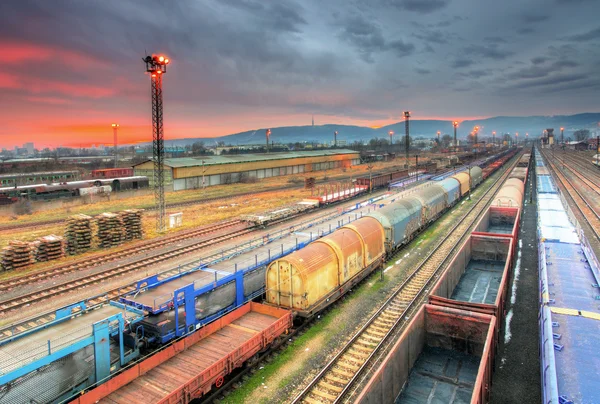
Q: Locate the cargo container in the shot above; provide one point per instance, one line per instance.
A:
(463, 179)
(188, 368)
(499, 221)
(477, 279)
(444, 356)
(476, 176)
(399, 220)
(452, 188)
(434, 201)
(520, 173)
(511, 194)
(309, 279)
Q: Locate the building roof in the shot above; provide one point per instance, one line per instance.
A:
(247, 158)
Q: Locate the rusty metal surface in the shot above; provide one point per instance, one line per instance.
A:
(463, 178)
(348, 247)
(499, 221)
(373, 236)
(188, 368)
(437, 329)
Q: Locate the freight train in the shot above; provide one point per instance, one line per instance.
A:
(183, 303)
(72, 189)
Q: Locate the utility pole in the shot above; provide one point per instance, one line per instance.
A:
(469, 169)
(597, 148)
(157, 67)
(438, 140)
(562, 135)
(494, 138)
(391, 133)
(115, 127)
(407, 132)
(370, 167)
(335, 138)
(268, 134)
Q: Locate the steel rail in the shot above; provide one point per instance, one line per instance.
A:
(441, 261)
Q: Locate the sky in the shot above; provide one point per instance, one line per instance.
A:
(71, 67)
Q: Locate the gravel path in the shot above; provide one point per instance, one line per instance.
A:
(517, 369)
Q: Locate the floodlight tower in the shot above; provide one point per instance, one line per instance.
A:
(562, 135)
(115, 127)
(391, 133)
(156, 65)
(407, 131)
(268, 134)
(335, 138)
(455, 124)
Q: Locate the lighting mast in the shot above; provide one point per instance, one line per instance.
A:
(156, 65)
(407, 131)
(115, 127)
(455, 124)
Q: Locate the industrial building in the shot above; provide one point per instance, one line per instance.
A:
(191, 173)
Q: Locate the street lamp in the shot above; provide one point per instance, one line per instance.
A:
(335, 138)
(439, 144)
(517, 138)
(407, 130)
(391, 133)
(115, 127)
(562, 135)
(455, 124)
(494, 138)
(268, 134)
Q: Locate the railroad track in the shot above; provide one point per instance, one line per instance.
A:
(70, 286)
(130, 251)
(342, 372)
(587, 212)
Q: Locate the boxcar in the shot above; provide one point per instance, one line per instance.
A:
(452, 188)
(309, 279)
(463, 179)
(399, 220)
(476, 176)
(444, 355)
(433, 200)
(511, 194)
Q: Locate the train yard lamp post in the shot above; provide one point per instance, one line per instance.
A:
(469, 171)
(517, 138)
(370, 167)
(157, 67)
(391, 134)
(455, 124)
(438, 140)
(268, 134)
(494, 139)
(115, 127)
(562, 135)
(407, 132)
(335, 138)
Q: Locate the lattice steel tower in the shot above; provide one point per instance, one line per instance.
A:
(157, 67)
(407, 132)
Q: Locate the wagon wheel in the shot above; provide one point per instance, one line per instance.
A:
(219, 382)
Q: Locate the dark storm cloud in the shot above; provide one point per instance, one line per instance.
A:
(488, 51)
(525, 30)
(539, 60)
(432, 36)
(461, 63)
(420, 6)
(537, 70)
(422, 71)
(586, 36)
(367, 38)
(475, 74)
(494, 39)
(279, 16)
(532, 18)
(550, 81)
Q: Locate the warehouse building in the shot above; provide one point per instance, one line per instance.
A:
(190, 172)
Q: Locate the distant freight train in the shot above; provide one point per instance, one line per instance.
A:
(9, 195)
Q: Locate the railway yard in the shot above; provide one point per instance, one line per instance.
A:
(406, 285)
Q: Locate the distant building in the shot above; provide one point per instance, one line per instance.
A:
(29, 148)
(193, 172)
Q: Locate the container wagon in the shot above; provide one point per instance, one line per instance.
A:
(310, 279)
(477, 279)
(382, 180)
(444, 356)
(112, 173)
(188, 368)
(498, 221)
(511, 194)
(520, 173)
(123, 184)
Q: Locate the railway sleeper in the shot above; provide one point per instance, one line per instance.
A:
(331, 387)
(323, 394)
(338, 370)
